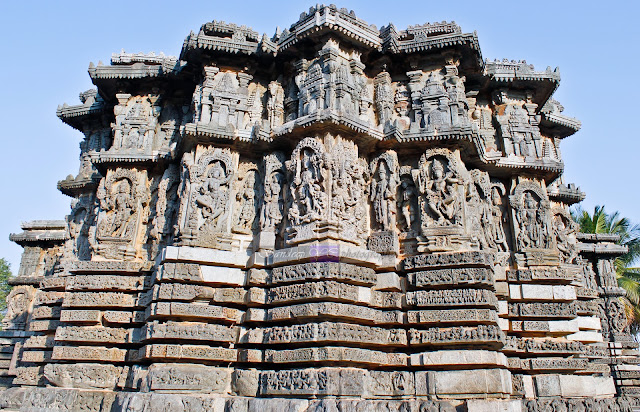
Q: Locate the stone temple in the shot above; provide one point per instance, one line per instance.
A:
(336, 218)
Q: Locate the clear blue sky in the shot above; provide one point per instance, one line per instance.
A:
(46, 47)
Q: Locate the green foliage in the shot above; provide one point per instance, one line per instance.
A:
(5, 288)
(628, 277)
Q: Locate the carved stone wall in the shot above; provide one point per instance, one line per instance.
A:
(335, 218)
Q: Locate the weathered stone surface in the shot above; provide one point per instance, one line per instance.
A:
(336, 218)
(335, 310)
(335, 355)
(318, 271)
(463, 277)
(188, 331)
(89, 353)
(486, 335)
(184, 377)
(327, 332)
(105, 283)
(453, 316)
(193, 311)
(162, 352)
(99, 300)
(453, 298)
(92, 334)
(84, 376)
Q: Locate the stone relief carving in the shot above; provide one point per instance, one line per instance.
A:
(334, 80)
(19, 303)
(348, 177)
(166, 205)
(384, 98)
(564, 231)
(384, 183)
(442, 101)
(532, 220)
(496, 235)
(249, 193)
(207, 207)
(440, 185)
(123, 199)
(518, 126)
(308, 168)
(328, 188)
(407, 201)
(135, 124)
(80, 221)
(274, 181)
(275, 105)
(224, 99)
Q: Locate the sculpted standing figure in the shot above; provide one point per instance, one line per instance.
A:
(407, 203)
(383, 188)
(496, 235)
(213, 195)
(247, 199)
(441, 196)
(529, 235)
(273, 204)
(123, 209)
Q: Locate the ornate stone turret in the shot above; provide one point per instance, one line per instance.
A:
(334, 218)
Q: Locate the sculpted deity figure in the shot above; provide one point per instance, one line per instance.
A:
(495, 235)
(529, 230)
(123, 208)
(439, 116)
(407, 204)
(441, 197)
(275, 104)
(273, 202)
(383, 195)
(309, 191)
(478, 209)
(563, 233)
(212, 196)
(246, 197)
(18, 307)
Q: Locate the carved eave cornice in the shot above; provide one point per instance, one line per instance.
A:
(432, 36)
(41, 231)
(600, 244)
(521, 75)
(322, 19)
(113, 158)
(74, 187)
(76, 116)
(219, 36)
(205, 133)
(25, 280)
(568, 195)
(559, 125)
(137, 70)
